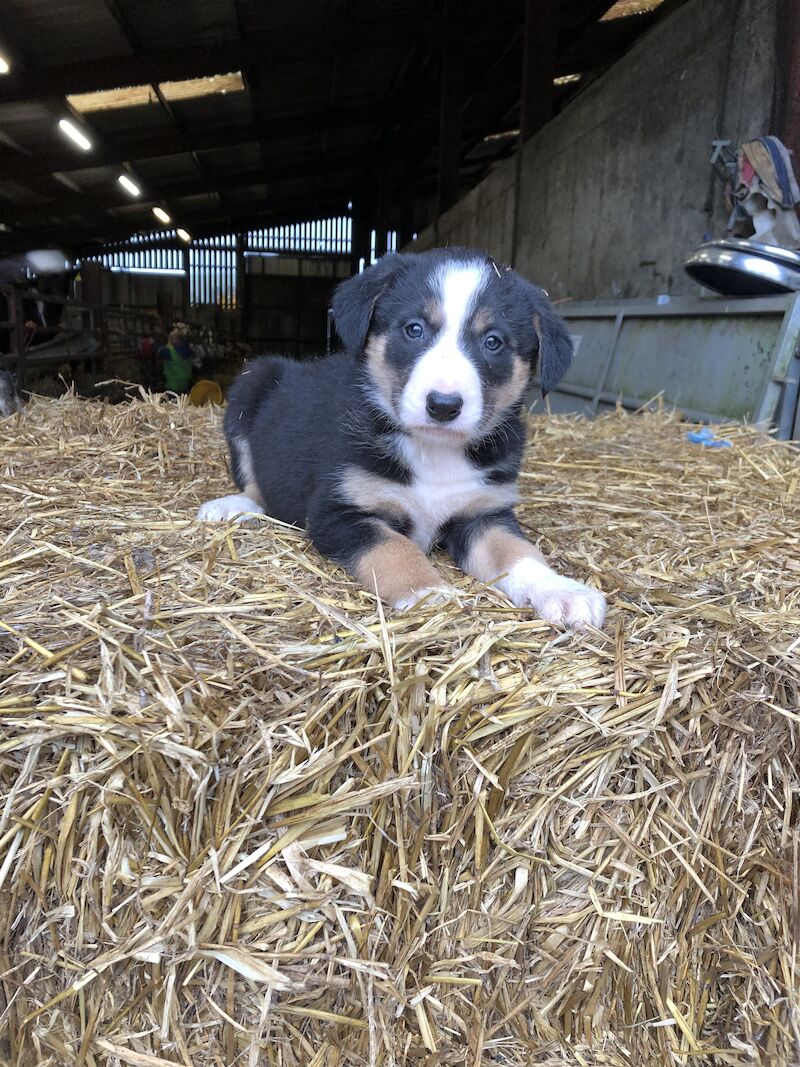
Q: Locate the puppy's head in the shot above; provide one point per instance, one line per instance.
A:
(449, 340)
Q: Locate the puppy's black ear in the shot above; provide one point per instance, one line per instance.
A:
(555, 345)
(355, 299)
(552, 347)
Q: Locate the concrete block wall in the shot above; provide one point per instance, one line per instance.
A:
(613, 193)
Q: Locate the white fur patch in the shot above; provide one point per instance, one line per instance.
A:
(229, 507)
(437, 594)
(245, 457)
(444, 368)
(557, 599)
(444, 483)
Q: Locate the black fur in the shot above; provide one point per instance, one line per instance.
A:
(10, 400)
(354, 300)
(303, 423)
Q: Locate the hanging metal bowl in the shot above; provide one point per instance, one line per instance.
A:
(735, 267)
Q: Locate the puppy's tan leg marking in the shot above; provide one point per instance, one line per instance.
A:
(252, 492)
(399, 571)
(528, 580)
(496, 550)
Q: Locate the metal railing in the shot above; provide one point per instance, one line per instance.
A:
(86, 332)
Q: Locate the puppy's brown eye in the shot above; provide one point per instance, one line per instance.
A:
(493, 343)
(413, 330)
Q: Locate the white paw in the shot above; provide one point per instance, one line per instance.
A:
(435, 594)
(558, 600)
(228, 507)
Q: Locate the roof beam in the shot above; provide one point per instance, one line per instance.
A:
(18, 167)
(93, 201)
(280, 48)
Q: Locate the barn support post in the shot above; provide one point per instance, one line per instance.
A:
(537, 92)
(186, 281)
(17, 319)
(362, 226)
(451, 107)
(405, 225)
(241, 280)
(407, 149)
(539, 53)
(786, 116)
(382, 215)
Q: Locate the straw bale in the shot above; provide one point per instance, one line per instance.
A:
(248, 817)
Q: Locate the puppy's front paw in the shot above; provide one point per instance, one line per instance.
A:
(558, 600)
(570, 603)
(435, 594)
(229, 507)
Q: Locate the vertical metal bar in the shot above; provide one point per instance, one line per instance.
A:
(188, 279)
(16, 317)
(609, 360)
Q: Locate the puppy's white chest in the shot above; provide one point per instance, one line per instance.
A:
(443, 484)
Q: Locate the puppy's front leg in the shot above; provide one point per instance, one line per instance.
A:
(400, 572)
(493, 545)
(380, 558)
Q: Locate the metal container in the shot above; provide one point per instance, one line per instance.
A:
(735, 267)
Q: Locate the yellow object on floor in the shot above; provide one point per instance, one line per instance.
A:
(205, 392)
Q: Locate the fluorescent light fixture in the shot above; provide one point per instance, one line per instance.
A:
(74, 134)
(5, 66)
(128, 185)
(161, 215)
(184, 235)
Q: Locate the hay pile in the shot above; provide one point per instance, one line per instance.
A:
(246, 819)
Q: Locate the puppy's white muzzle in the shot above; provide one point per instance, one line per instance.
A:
(443, 392)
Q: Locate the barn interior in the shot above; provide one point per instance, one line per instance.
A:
(246, 814)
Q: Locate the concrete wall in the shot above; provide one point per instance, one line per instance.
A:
(613, 192)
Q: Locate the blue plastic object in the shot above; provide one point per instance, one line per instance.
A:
(707, 438)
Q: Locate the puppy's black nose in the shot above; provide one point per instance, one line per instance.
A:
(444, 407)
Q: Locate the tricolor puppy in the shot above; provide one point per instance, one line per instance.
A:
(411, 438)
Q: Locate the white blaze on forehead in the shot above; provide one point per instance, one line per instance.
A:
(459, 285)
(444, 368)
